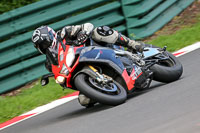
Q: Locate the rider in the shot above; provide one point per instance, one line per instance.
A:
(46, 40)
(45, 37)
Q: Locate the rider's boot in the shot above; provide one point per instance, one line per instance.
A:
(85, 101)
(131, 44)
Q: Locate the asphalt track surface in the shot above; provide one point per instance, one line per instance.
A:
(165, 108)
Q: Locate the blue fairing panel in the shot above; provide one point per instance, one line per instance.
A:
(101, 55)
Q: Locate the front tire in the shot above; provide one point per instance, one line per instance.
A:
(84, 85)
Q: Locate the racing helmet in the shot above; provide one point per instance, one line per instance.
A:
(43, 38)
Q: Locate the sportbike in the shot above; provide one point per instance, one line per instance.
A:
(107, 74)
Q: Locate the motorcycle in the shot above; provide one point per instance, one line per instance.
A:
(107, 75)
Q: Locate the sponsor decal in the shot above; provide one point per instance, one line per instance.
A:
(136, 73)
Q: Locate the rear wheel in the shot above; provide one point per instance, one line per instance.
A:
(111, 93)
(167, 71)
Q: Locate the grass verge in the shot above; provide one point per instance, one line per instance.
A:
(30, 98)
(181, 38)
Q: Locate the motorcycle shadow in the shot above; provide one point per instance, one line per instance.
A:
(82, 112)
(154, 86)
(79, 112)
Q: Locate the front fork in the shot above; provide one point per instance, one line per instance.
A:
(101, 78)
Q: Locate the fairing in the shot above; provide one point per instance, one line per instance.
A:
(56, 69)
(94, 54)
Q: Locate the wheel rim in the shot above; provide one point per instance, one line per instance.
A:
(168, 63)
(107, 87)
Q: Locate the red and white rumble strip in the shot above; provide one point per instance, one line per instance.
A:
(187, 49)
(74, 95)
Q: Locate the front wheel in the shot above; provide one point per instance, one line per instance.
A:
(111, 93)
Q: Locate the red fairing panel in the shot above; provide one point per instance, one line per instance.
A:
(129, 82)
(56, 69)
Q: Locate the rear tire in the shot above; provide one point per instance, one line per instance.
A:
(167, 71)
(84, 86)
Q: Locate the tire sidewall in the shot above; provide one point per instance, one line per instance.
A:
(167, 74)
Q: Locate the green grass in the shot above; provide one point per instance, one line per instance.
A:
(184, 37)
(28, 99)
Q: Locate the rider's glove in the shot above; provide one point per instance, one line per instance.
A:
(140, 47)
(82, 37)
